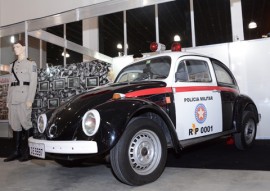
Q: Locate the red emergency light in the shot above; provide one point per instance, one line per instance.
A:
(176, 46)
(154, 46)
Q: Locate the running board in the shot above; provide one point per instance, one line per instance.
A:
(194, 141)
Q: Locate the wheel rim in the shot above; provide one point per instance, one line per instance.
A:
(250, 130)
(144, 152)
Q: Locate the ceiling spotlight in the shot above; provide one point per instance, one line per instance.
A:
(119, 46)
(67, 54)
(252, 25)
(177, 38)
(12, 39)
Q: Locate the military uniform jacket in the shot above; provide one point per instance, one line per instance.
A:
(25, 90)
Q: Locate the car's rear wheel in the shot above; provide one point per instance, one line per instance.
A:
(245, 138)
(140, 155)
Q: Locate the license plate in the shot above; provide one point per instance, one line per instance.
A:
(37, 150)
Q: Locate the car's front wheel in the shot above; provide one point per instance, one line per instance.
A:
(140, 155)
(245, 138)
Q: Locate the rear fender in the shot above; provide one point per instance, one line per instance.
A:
(243, 103)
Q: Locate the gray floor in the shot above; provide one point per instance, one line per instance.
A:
(41, 175)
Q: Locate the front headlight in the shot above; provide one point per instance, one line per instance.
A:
(90, 122)
(42, 123)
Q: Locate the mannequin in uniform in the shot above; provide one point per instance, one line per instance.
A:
(21, 93)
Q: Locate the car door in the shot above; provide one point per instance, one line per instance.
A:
(229, 92)
(197, 98)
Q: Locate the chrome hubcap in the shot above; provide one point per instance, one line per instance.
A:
(250, 131)
(144, 152)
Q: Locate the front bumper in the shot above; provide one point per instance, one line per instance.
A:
(38, 147)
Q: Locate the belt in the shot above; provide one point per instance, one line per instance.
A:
(18, 83)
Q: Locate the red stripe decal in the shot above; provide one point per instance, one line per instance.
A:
(205, 88)
(179, 89)
(226, 89)
(149, 92)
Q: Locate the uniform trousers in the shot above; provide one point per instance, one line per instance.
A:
(19, 117)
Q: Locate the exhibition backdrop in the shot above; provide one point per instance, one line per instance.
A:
(58, 84)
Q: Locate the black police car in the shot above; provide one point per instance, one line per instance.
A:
(168, 100)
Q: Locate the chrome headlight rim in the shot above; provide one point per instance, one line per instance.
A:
(42, 117)
(96, 115)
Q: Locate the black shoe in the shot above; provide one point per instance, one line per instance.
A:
(12, 157)
(25, 158)
(17, 136)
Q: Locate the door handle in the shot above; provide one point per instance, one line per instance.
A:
(216, 91)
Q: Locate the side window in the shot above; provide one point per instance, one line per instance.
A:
(124, 78)
(223, 76)
(193, 71)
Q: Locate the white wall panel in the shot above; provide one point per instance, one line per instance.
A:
(218, 51)
(249, 61)
(119, 63)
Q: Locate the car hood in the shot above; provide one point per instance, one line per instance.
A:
(66, 118)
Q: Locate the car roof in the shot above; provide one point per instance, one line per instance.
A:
(173, 55)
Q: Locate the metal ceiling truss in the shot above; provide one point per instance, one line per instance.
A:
(51, 38)
(12, 29)
(95, 10)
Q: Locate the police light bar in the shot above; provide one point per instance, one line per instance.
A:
(176, 46)
(154, 46)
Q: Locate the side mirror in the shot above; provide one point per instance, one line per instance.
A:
(181, 77)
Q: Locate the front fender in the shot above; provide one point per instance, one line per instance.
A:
(115, 116)
(243, 103)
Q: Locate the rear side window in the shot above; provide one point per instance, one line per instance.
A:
(193, 71)
(223, 76)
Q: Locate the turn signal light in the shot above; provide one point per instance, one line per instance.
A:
(118, 96)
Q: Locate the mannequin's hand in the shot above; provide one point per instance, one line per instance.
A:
(7, 105)
(28, 104)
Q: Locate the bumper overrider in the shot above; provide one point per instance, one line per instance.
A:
(38, 147)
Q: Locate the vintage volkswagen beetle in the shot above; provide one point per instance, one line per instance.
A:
(169, 100)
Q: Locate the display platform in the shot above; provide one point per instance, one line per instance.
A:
(211, 155)
(220, 155)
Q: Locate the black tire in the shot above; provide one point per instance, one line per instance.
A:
(245, 138)
(140, 155)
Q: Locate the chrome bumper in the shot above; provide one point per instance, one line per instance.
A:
(38, 147)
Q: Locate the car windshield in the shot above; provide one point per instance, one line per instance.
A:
(155, 68)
